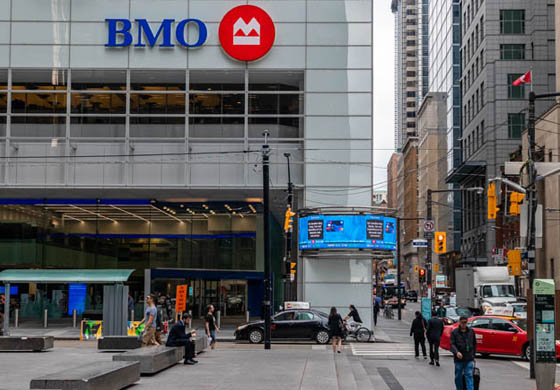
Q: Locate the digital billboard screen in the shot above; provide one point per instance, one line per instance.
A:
(347, 231)
(76, 298)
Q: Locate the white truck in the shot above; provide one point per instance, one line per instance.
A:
(484, 288)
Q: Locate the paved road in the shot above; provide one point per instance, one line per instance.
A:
(392, 366)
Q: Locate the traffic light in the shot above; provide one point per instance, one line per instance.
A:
(289, 220)
(441, 242)
(492, 201)
(514, 262)
(515, 200)
(436, 268)
(422, 274)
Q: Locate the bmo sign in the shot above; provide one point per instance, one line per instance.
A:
(246, 33)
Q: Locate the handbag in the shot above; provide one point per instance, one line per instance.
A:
(476, 378)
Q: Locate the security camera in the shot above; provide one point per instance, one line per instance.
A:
(266, 133)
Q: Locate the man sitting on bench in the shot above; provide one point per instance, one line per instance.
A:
(179, 338)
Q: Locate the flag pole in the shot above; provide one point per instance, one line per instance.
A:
(531, 79)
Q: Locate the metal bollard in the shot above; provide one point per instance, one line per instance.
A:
(219, 319)
(132, 315)
(190, 319)
(247, 316)
(74, 318)
(45, 315)
(16, 318)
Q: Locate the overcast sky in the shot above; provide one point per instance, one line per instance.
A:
(383, 90)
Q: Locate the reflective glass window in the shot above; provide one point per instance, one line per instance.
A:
(2, 126)
(512, 21)
(3, 79)
(217, 104)
(111, 103)
(39, 79)
(3, 102)
(516, 124)
(275, 81)
(512, 51)
(515, 92)
(203, 80)
(278, 127)
(157, 127)
(213, 127)
(290, 104)
(157, 103)
(38, 126)
(32, 103)
(157, 80)
(93, 126)
(99, 79)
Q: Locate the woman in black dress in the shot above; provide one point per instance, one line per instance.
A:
(336, 328)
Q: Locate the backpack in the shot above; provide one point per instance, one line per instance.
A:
(159, 323)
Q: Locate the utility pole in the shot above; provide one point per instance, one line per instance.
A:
(399, 306)
(266, 218)
(531, 224)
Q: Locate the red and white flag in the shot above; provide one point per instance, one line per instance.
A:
(526, 78)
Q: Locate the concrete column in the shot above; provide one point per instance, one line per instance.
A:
(7, 311)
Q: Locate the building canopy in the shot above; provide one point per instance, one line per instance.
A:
(65, 275)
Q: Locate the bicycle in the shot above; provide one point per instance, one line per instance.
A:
(358, 332)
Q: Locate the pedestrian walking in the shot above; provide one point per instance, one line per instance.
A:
(336, 330)
(211, 327)
(130, 307)
(179, 337)
(376, 308)
(434, 330)
(418, 330)
(150, 315)
(463, 347)
(159, 327)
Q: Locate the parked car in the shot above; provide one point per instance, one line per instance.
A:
(411, 295)
(519, 309)
(290, 324)
(497, 335)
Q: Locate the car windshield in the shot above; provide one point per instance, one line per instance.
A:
(502, 290)
(519, 308)
(451, 312)
(521, 323)
(463, 311)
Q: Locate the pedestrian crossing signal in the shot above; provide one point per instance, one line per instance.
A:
(422, 274)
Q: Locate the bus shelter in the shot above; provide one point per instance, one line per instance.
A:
(115, 293)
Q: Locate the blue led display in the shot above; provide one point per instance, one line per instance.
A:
(347, 231)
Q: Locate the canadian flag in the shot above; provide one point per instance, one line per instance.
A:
(526, 78)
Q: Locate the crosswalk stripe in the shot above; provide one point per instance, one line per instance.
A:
(369, 350)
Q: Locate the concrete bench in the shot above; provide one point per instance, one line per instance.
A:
(200, 343)
(118, 343)
(152, 359)
(96, 376)
(13, 343)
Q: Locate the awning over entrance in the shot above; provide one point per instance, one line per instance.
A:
(65, 275)
(464, 170)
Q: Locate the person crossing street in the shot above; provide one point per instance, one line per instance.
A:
(418, 330)
(463, 347)
(434, 330)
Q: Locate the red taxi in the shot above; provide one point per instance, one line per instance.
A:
(497, 335)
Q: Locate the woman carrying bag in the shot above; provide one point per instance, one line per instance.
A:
(336, 329)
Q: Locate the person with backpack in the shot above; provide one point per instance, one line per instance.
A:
(463, 348)
(418, 330)
(159, 328)
(336, 330)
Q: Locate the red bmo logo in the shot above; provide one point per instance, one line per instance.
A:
(247, 33)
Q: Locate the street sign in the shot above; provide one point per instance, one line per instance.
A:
(429, 235)
(420, 243)
(416, 268)
(427, 308)
(543, 290)
(429, 226)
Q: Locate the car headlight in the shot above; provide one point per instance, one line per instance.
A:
(486, 306)
(241, 327)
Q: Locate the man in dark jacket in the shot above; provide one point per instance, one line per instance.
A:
(418, 329)
(178, 337)
(434, 330)
(463, 347)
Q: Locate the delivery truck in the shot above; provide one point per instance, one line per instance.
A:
(483, 288)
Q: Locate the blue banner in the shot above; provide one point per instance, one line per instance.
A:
(347, 231)
(76, 298)
(426, 308)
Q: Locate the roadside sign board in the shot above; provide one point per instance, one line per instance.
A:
(429, 226)
(420, 243)
(429, 235)
(181, 298)
(427, 308)
(296, 305)
(543, 297)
